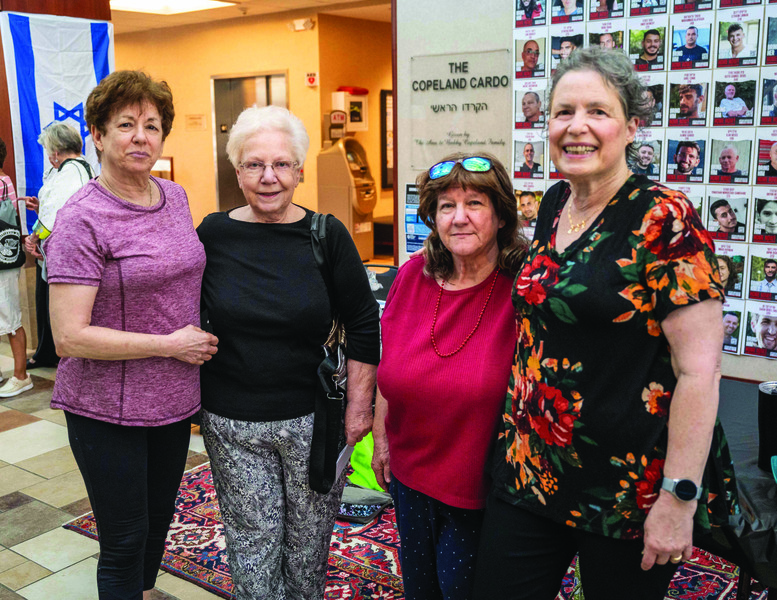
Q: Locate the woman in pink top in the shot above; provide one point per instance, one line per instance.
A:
(448, 343)
(125, 270)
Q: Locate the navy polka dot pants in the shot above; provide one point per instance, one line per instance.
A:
(438, 545)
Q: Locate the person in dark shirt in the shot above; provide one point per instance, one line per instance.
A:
(272, 308)
(691, 51)
(651, 47)
(529, 166)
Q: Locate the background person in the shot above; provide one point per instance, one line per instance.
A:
(771, 171)
(691, 51)
(531, 107)
(532, 9)
(691, 98)
(725, 217)
(765, 329)
(769, 283)
(606, 41)
(770, 110)
(730, 105)
(69, 173)
(651, 47)
(737, 46)
(567, 8)
(125, 310)
(728, 159)
(10, 307)
(766, 215)
(567, 46)
(269, 303)
(451, 313)
(643, 165)
(687, 156)
(530, 55)
(563, 453)
(728, 273)
(529, 205)
(730, 325)
(529, 166)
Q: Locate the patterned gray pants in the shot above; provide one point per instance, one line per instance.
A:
(278, 530)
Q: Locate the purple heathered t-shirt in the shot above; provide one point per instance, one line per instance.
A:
(147, 264)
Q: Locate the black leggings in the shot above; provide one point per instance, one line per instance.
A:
(46, 354)
(524, 556)
(132, 475)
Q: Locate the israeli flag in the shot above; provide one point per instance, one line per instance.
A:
(52, 63)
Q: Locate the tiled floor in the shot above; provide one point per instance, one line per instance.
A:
(40, 489)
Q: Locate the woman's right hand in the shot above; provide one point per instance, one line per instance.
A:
(31, 202)
(192, 345)
(380, 461)
(31, 245)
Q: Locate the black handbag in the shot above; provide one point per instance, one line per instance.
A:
(11, 253)
(329, 418)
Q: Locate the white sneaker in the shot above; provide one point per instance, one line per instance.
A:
(14, 387)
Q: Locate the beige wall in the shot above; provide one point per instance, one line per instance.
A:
(357, 53)
(343, 51)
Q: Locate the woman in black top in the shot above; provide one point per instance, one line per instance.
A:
(270, 307)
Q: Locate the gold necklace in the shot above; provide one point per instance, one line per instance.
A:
(115, 193)
(574, 227)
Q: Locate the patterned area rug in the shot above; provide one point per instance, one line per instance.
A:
(363, 559)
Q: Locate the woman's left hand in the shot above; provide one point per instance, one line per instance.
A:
(668, 531)
(358, 411)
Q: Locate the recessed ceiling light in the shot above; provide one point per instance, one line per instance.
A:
(166, 7)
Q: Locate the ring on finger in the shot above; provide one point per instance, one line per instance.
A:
(676, 559)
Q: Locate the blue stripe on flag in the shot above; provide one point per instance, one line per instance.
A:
(29, 113)
(101, 43)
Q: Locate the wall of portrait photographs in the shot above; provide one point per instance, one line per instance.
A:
(711, 70)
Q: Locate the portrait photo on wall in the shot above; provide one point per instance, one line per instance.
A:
(646, 48)
(761, 330)
(765, 219)
(688, 101)
(529, 54)
(655, 84)
(608, 35)
(567, 11)
(732, 325)
(529, 205)
(685, 158)
(732, 260)
(690, 41)
(738, 37)
(530, 104)
(770, 53)
(648, 159)
(529, 13)
(766, 168)
(606, 9)
(529, 152)
(734, 97)
(727, 216)
(686, 6)
(639, 8)
(565, 39)
(729, 160)
(763, 273)
(769, 98)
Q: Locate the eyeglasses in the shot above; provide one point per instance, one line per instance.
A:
(532, 52)
(473, 164)
(279, 167)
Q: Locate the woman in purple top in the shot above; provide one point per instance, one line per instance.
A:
(125, 268)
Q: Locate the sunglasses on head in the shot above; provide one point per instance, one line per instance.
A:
(473, 164)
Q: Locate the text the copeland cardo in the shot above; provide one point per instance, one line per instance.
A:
(460, 103)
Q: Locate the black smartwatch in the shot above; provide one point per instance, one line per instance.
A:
(682, 489)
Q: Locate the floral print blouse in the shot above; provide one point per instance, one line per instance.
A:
(585, 422)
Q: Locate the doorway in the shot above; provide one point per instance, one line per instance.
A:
(231, 95)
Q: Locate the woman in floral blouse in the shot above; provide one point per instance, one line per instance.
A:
(611, 408)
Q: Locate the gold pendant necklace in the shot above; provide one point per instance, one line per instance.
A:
(115, 193)
(573, 227)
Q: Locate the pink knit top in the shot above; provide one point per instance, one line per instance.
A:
(443, 412)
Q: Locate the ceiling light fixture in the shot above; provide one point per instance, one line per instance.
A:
(167, 7)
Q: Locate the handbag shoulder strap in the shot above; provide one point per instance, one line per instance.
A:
(321, 253)
(87, 167)
(5, 190)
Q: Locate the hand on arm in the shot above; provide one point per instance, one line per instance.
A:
(358, 411)
(695, 335)
(31, 245)
(70, 308)
(380, 454)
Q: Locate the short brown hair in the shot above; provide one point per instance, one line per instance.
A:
(129, 88)
(494, 183)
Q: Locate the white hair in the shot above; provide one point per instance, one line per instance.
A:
(255, 120)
